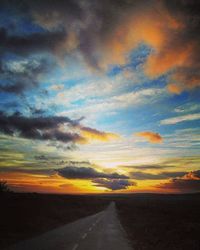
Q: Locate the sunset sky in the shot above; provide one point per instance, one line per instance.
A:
(100, 96)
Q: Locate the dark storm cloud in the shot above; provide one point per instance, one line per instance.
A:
(17, 87)
(19, 76)
(25, 45)
(71, 172)
(113, 184)
(163, 175)
(40, 128)
(17, 82)
(190, 182)
(68, 25)
(44, 128)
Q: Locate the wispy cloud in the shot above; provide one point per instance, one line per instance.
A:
(187, 108)
(138, 175)
(178, 119)
(146, 167)
(117, 102)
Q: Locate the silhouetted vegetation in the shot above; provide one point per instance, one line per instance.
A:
(4, 187)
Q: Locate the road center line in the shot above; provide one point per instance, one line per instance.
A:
(84, 236)
(75, 247)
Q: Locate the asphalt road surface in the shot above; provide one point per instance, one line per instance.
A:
(101, 231)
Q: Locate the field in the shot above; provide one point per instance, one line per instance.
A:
(159, 222)
(26, 215)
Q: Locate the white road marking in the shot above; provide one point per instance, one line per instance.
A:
(75, 247)
(84, 236)
(90, 229)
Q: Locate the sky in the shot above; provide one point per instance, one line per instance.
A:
(100, 96)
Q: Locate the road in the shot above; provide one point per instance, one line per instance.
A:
(101, 231)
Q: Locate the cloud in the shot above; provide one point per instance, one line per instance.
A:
(104, 32)
(194, 175)
(33, 43)
(138, 26)
(57, 87)
(72, 172)
(178, 119)
(32, 171)
(147, 167)
(40, 128)
(93, 134)
(190, 182)
(170, 29)
(24, 74)
(148, 176)
(50, 128)
(187, 108)
(18, 76)
(113, 184)
(174, 88)
(184, 79)
(41, 157)
(118, 102)
(150, 136)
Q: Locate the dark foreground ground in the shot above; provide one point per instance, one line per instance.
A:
(156, 222)
(23, 216)
(161, 222)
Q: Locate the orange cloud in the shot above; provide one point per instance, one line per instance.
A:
(174, 88)
(193, 175)
(187, 79)
(166, 33)
(184, 80)
(167, 59)
(190, 182)
(150, 25)
(150, 136)
(93, 134)
(170, 30)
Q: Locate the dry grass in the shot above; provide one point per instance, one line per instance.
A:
(161, 222)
